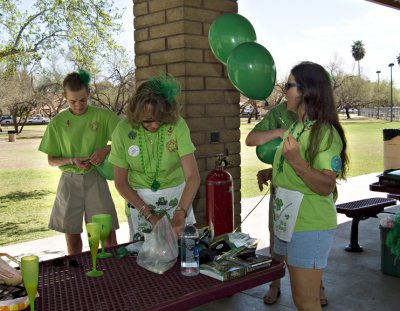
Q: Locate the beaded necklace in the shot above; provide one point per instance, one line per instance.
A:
(306, 126)
(155, 184)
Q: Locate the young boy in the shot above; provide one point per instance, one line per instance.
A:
(76, 141)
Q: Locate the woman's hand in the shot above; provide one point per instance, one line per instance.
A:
(263, 176)
(154, 219)
(178, 223)
(291, 150)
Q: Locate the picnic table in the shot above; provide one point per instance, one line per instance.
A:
(63, 285)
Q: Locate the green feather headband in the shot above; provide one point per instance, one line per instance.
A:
(165, 85)
(84, 76)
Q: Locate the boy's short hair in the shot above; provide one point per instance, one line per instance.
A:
(74, 82)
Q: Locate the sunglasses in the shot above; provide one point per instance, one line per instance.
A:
(289, 85)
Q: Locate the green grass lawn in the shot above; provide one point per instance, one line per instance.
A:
(28, 184)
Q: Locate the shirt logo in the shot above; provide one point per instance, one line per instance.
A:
(132, 135)
(94, 126)
(133, 150)
(336, 164)
(172, 146)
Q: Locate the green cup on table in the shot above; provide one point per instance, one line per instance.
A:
(30, 277)
(93, 232)
(105, 220)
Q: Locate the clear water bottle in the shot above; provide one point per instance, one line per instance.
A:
(190, 250)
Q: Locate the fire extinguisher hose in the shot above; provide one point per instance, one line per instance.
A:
(237, 228)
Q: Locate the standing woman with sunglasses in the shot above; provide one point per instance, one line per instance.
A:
(155, 169)
(306, 165)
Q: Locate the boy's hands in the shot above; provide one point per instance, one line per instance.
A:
(82, 163)
(263, 177)
(99, 155)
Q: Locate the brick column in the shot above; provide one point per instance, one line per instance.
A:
(172, 36)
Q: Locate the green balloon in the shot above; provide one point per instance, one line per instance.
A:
(251, 69)
(266, 152)
(106, 169)
(227, 32)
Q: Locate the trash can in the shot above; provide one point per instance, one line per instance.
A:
(388, 264)
(11, 136)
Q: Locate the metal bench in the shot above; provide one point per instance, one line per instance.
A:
(394, 196)
(361, 210)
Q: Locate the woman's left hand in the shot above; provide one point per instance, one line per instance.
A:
(291, 149)
(178, 223)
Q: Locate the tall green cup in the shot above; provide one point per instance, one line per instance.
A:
(93, 232)
(30, 276)
(105, 220)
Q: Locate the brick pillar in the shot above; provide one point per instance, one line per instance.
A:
(172, 36)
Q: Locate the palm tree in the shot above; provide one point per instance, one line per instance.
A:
(358, 52)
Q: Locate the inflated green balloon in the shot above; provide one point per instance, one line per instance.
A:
(106, 169)
(266, 152)
(227, 32)
(251, 69)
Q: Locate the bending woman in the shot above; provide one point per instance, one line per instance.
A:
(154, 165)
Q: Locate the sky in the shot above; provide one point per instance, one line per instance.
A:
(316, 30)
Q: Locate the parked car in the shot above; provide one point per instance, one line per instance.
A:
(247, 111)
(6, 120)
(39, 120)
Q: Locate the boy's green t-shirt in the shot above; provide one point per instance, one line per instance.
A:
(126, 153)
(316, 212)
(68, 135)
(277, 117)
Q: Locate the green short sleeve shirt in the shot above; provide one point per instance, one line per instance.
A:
(277, 117)
(68, 135)
(316, 212)
(139, 155)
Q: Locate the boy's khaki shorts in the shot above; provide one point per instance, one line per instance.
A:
(78, 196)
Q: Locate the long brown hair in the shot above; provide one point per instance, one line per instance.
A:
(317, 97)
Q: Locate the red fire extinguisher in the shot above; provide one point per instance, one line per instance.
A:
(219, 198)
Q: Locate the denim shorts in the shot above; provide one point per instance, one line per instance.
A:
(308, 249)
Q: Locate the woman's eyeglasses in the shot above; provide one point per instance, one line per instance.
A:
(288, 85)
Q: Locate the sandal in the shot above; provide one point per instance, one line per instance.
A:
(272, 296)
(322, 297)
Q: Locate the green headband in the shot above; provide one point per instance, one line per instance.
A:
(165, 85)
(84, 76)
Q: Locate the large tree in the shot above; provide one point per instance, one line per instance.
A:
(85, 27)
(20, 96)
(358, 52)
(114, 90)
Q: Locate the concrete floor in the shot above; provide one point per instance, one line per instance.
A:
(353, 281)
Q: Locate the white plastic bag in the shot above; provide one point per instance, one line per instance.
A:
(386, 220)
(160, 248)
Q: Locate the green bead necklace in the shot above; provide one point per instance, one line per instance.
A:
(155, 184)
(307, 125)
